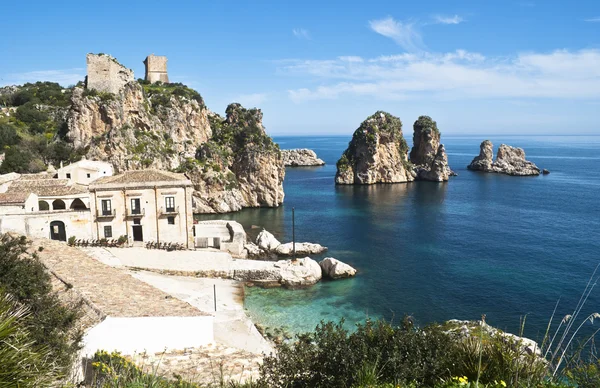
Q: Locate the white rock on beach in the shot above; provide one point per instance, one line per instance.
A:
(304, 248)
(335, 269)
(299, 272)
(267, 241)
(301, 157)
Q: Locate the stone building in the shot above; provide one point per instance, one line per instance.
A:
(156, 69)
(145, 205)
(106, 74)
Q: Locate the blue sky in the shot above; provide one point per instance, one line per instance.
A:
(321, 67)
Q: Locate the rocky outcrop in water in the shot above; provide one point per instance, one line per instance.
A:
(268, 246)
(335, 269)
(377, 153)
(509, 161)
(232, 162)
(428, 155)
(301, 157)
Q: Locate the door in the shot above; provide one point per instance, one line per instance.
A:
(137, 233)
(57, 231)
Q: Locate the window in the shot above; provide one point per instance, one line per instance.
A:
(89, 175)
(137, 221)
(107, 231)
(135, 206)
(68, 176)
(171, 220)
(106, 207)
(170, 204)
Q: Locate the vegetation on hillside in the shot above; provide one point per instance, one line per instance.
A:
(49, 328)
(32, 127)
(159, 94)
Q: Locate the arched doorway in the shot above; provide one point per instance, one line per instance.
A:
(78, 204)
(57, 231)
(58, 204)
(43, 205)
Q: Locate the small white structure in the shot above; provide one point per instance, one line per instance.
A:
(136, 335)
(85, 172)
(227, 236)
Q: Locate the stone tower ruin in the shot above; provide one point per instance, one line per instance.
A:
(106, 74)
(156, 69)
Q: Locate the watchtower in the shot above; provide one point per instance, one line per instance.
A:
(106, 74)
(156, 69)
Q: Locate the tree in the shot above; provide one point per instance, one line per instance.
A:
(8, 136)
(16, 160)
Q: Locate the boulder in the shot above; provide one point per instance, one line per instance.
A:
(267, 241)
(335, 269)
(301, 157)
(545, 172)
(298, 273)
(304, 248)
(509, 161)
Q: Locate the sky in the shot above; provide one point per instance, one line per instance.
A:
(321, 67)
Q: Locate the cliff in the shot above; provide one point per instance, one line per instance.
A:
(509, 161)
(378, 153)
(232, 162)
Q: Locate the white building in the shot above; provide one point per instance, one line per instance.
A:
(144, 205)
(85, 171)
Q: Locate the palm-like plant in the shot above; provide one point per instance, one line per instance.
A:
(22, 364)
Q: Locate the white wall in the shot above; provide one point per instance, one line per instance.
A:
(37, 225)
(151, 334)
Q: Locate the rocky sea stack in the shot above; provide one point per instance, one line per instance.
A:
(509, 161)
(428, 155)
(301, 157)
(378, 153)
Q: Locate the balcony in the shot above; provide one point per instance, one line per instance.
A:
(106, 214)
(136, 212)
(169, 211)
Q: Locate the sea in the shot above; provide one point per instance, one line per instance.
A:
(509, 248)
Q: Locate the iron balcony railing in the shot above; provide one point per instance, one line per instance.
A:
(169, 211)
(136, 212)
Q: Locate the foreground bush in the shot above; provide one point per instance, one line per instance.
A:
(22, 363)
(50, 324)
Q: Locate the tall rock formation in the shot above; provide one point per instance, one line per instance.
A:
(232, 162)
(428, 155)
(377, 153)
(509, 161)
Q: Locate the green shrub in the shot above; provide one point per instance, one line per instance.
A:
(51, 324)
(30, 114)
(8, 136)
(16, 160)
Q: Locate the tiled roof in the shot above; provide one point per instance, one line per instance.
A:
(141, 176)
(45, 187)
(14, 198)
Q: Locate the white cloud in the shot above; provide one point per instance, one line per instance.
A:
(251, 100)
(456, 75)
(440, 19)
(301, 33)
(64, 77)
(593, 20)
(404, 34)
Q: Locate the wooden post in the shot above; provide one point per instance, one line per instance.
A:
(294, 233)
(215, 295)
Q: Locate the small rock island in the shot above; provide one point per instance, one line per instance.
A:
(509, 161)
(378, 153)
(301, 157)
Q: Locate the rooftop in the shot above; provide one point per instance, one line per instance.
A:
(45, 186)
(142, 176)
(17, 198)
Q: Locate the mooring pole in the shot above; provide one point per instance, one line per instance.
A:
(294, 233)
(215, 295)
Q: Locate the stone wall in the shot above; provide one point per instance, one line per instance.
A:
(37, 224)
(156, 69)
(106, 74)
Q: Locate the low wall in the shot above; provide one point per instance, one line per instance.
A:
(148, 334)
(37, 224)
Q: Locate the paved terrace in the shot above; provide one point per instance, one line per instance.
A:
(109, 290)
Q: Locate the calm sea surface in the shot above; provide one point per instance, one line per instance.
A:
(480, 244)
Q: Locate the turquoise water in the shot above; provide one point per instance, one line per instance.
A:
(479, 244)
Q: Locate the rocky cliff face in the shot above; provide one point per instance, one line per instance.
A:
(377, 153)
(301, 157)
(509, 161)
(428, 155)
(232, 162)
